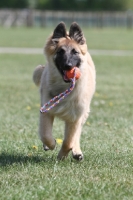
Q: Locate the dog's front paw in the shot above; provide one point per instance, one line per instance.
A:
(45, 147)
(77, 156)
(50, 147)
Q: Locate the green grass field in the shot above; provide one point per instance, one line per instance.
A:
(119, 38)
(26, 171)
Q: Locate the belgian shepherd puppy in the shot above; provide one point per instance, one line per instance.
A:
(63, 52)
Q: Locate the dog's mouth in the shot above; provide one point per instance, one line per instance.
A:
(64, 75)
(67, 74)
(65, 78)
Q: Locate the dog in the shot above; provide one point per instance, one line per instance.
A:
(65, 50)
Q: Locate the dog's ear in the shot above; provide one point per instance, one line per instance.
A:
(59, 32)
(76, 33)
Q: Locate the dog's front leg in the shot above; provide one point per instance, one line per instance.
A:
(45, 131)
(71, 140)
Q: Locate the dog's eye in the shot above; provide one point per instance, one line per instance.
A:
(74, 51)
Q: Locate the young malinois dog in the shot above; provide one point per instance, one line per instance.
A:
(64, 51)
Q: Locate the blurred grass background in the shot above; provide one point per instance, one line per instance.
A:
(106, 38)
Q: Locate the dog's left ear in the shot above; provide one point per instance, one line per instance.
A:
(76, 33)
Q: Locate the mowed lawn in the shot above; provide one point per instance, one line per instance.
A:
(26, 171)
(119, 39)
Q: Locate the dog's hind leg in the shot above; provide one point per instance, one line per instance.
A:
(45, 131)
(71, 141)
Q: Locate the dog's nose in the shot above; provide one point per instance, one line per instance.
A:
(68, 66)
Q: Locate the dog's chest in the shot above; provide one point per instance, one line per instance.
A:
(70, 107)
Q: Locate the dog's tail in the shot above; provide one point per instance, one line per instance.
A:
(37, 74)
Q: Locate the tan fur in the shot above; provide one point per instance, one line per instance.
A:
(37, 74)
(73, 110)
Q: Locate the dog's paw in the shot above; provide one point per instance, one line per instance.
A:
(78, 157)
(51, 147)
(45, 147)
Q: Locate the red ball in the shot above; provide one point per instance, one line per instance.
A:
(70, 73)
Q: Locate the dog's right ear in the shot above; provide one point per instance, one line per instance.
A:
(59, 32)
(51, 44)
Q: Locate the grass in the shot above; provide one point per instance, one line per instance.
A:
(118, 38)
(27, 172)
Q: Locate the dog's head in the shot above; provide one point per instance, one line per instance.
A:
(65, 49)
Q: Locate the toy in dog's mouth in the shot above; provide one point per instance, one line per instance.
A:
(69, 74)
(56, 100)
(65, 78)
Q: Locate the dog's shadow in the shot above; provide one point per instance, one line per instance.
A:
(7, 159)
